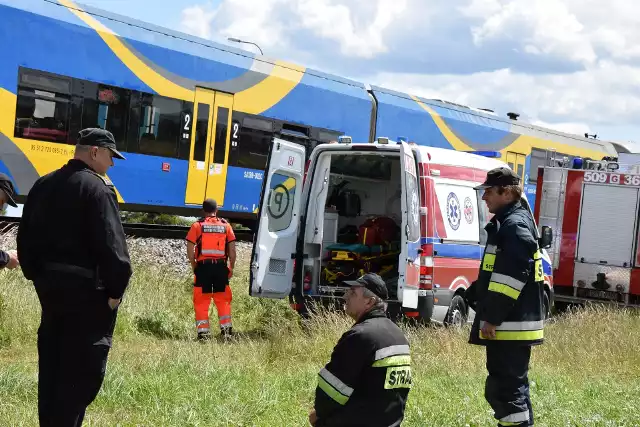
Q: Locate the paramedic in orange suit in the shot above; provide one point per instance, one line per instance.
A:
(211, 250)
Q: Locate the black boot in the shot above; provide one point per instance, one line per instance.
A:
(204, 336)
(226, 332)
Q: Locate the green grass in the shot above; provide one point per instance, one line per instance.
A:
(587, 373)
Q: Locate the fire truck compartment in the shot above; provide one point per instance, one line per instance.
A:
(606, 236)
(353, 221)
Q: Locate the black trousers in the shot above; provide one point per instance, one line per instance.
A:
(507, 385)
(74, 340)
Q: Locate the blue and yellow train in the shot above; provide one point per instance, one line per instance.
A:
(196, 118)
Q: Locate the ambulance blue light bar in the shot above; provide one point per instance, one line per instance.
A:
(492, 154)
(344, 139)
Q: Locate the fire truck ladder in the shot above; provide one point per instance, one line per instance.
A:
(553, 195)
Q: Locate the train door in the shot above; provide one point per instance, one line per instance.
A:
(516, 162)
(208, 157)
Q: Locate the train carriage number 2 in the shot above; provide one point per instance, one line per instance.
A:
(234, 134)
(187, 126)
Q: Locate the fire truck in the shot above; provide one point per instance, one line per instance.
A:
(593, 207)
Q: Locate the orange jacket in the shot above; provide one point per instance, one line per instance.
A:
(211, 236)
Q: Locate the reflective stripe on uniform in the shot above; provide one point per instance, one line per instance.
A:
(530, 325)
(400, 360)
(393, 350)
(514, 419)
(506, 285)
(489, 257)
(225, 321)
(517, 331)
(335, 389)
(212, 252)
(488, 262)
(538, 270)
(507, 280)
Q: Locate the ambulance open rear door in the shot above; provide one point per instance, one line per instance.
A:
(409, 265)
(278, 221)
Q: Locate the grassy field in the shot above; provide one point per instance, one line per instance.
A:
(587, 373)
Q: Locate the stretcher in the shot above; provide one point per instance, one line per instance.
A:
(350, 261)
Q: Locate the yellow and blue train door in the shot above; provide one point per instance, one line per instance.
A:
(209, 154)
(516, 162)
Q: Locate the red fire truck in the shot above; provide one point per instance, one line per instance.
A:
(593, 208)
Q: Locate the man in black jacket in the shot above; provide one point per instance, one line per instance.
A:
(72, 245)
(368, 379)
(508, 297)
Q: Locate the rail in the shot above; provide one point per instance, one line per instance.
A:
(158, 231)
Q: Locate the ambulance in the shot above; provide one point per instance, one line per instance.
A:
(594, 206)
(407, 212)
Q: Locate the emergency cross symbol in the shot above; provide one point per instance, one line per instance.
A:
(468, 210)
(453, 211)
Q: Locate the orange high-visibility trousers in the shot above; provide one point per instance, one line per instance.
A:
(201, 304)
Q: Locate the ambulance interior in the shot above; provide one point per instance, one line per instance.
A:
(353, 221)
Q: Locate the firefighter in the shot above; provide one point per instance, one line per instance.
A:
(508, 297)
(72, 246)
(211, 250)
(367, 380)
(9, 259)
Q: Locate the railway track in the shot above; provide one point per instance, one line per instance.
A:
(157, 231)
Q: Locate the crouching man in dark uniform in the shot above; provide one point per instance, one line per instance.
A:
(508, 297)
(368, 379)
(72, 245)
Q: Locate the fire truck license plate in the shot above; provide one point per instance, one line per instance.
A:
(594, 293)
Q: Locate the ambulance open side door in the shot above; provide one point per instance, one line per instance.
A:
(409, 266)
(278, 221)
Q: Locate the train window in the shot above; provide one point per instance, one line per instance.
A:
(253, 149)
(106, 107)
(221, 135)
(42, 115)
(159, 125)
(250, 139)
(202, 132)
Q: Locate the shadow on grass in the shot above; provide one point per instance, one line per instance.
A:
(158, 329)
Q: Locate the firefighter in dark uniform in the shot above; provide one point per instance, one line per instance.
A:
(211, 249)
(367, 380)
(9, 259)
(508, 298)
(72, 246)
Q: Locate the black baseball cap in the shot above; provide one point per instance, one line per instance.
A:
(209, 205)
(99, 138)
(371, 281)
(499, 177)
(6, 185)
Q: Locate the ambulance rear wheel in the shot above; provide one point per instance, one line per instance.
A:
(457, 314)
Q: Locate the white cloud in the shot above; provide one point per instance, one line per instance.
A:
(584, 52)
(275, 24)
(337, 22)
(197, 20)
(577, 101)
(541, 26)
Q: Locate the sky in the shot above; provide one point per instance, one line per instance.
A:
(572, 65)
